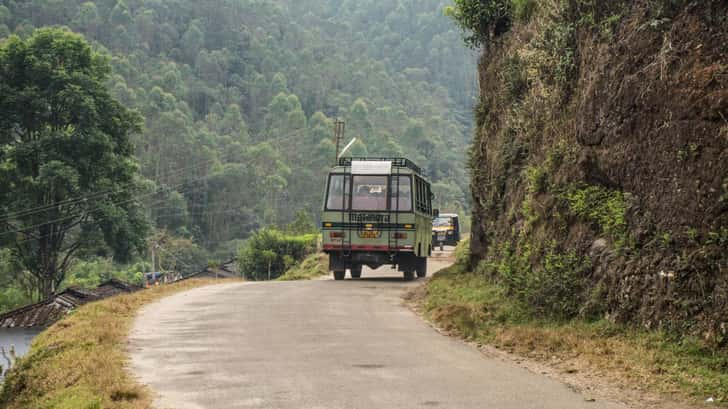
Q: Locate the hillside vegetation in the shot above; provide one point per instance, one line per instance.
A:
(600, 163)
(237, 100)
(315, 265)
(246, 90)
(641, 364)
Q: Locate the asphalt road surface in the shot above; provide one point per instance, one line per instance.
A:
(322, 344)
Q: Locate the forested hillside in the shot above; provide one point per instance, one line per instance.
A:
(238, 98)
(600, 164)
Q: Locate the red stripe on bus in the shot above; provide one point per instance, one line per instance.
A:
(365, 248)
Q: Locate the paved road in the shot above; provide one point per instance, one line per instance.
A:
(322, 344)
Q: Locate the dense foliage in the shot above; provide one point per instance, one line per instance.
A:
(62, 135)
(269, 253)
(483, 19)
(224, 84)
(238, 99)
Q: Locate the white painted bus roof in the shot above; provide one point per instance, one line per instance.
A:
(371, 167)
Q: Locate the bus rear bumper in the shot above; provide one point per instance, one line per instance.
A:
(383, 255)
(362, 247)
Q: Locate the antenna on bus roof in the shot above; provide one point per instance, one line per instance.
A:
(339, 127)
(346, 148)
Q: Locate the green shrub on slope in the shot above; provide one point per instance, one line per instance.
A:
(269, 253)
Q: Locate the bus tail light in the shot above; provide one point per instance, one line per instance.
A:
(400, 236)
(336, 235)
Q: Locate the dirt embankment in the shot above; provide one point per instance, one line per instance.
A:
(603, 144)
(80, 361)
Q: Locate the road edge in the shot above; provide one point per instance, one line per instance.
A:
(89, 347)
(585, 381)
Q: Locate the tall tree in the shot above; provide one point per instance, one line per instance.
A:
(66, 158)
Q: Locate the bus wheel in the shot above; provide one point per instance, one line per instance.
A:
(339, 275)
(409, 275)
(421, 267)
(356, 271)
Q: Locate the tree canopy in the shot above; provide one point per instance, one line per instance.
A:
(63, 137)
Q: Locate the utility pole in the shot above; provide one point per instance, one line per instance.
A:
(339, 128)
(152, 249)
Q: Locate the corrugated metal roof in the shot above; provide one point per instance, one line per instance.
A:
(48, 311)
(226, 270)
(114, 287)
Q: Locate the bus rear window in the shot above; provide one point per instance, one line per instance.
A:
(402, 194)
(442, 222)
(338, 194)
(369, 193)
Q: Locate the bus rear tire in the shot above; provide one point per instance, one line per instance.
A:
(356, 272)
(421, 267)
(339, 275)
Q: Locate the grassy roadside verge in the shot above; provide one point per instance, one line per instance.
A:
(313, 266)
(470, 306)
(79, 363)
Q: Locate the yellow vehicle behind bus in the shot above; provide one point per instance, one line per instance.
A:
(446, 230)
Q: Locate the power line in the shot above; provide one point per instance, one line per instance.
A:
(177, 172)
(68, 217)
(72, 216)
(157, 190)
(101, 217)
(40, 209)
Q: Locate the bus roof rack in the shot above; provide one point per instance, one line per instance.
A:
(398, 162)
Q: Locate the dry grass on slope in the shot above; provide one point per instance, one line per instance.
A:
(314, 266)
(468, 305)
(79, 363)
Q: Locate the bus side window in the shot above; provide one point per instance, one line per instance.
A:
(338, 195)
(425, 198)
(429, 199)
(417, 193)
(421, 207)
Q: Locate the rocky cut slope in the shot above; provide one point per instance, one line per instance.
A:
(600, 164)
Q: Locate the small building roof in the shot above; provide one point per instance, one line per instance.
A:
(46, 312)
(225, 270)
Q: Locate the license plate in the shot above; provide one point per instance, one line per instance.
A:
(369, 234)
(441, 237)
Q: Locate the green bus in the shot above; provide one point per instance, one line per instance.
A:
(377, 211)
